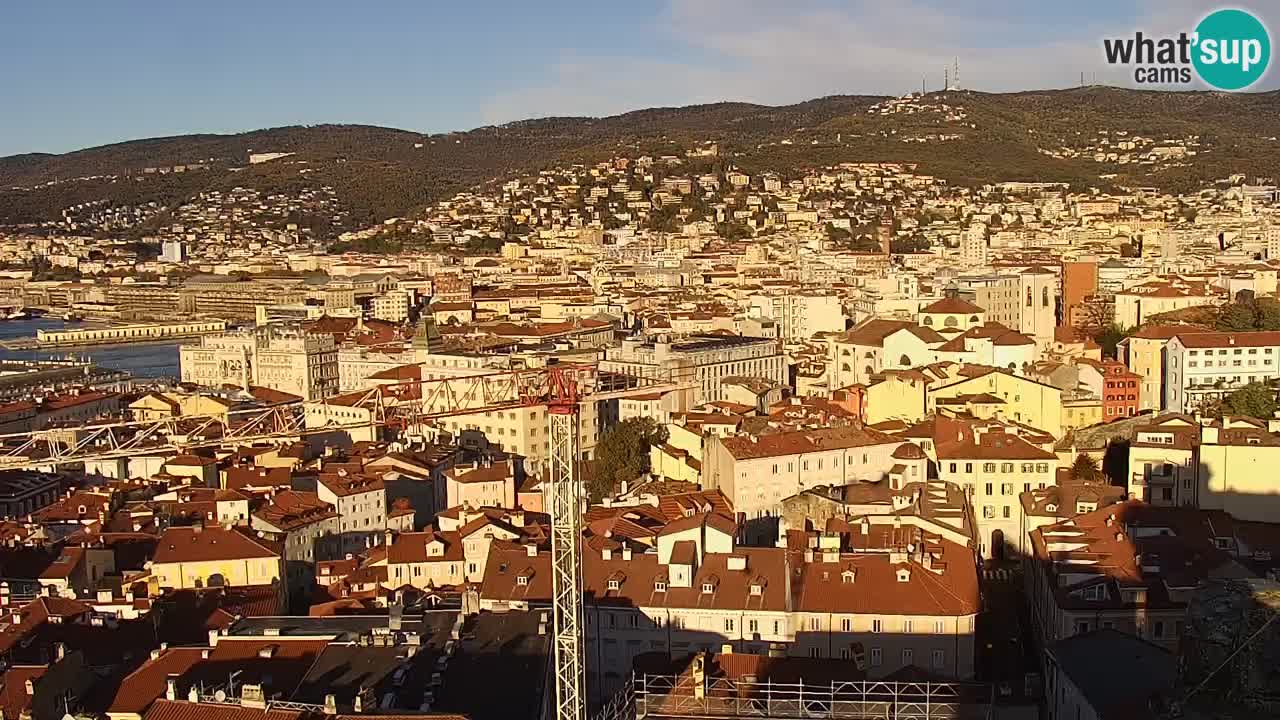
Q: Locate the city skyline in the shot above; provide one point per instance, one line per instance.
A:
(151, 70)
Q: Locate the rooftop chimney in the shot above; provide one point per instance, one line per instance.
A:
(171, 687)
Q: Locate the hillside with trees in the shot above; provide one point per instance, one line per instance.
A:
(382, 172)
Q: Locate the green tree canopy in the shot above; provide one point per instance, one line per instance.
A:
(622, 455)
(1085, 469)
(1254, 400)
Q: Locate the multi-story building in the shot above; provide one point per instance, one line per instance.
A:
(1143, 353)
(1079, 282)
(973, 245)
(756, 472)
(800, 315)
(282, 358)
(1138, 303)
(308, 529)
(360, 500)
(994, 468)
(213, 556)
(700, 361)
(392, 306)
(1206, 366)
(1026, 302)
(481, 485)
(894, 599)
(1131, 567)
(1221, 464)
(23, 492)
(1121, 390)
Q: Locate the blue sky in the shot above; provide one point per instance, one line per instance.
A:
(78, 73)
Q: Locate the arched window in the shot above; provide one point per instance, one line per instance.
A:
(928, 321)
(1028, 297)
(973, 318)
(846, 367)
(904, 361)
(1044, 297)
(951, 321)
(870, 355)
(868, 371)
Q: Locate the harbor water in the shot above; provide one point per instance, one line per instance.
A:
(143, 360)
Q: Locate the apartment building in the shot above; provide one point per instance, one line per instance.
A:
(361, 503)
(905, 599)
(480, 485)
(1221, 464)
(756, 472)
(1130, 567)
(800, 315)
(700, 361)
(995, 467)
(307, 528)
(1207, 366)
(287, 359)
(1138, 303)
(1143, 353)
(201, 557)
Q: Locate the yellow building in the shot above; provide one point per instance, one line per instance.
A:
(899, 396)
(1026, 401)
(1080, 413)
(680, 457)
(201, 557)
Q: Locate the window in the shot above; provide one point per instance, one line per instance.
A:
(846, 625)
(908, 656)
(906, 626)
(1157, 630)
(815, 652)
(728, 625)
(937, 627)
(939, 659)
(814, 624)
(877, 625)
(988, 467)
(753, 626)
(877, 657)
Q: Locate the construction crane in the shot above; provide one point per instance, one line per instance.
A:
(407, 407)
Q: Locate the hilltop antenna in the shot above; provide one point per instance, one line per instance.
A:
(955, 73)
(946, 79)
(923, 80)
(1081, 78)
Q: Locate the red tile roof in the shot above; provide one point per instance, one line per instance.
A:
(195, 544)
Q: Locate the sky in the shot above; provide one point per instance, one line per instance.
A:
(79, 73)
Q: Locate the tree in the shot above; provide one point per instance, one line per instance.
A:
(1253, 400)
(1236, 317)
(1085, 469)
(622, 455)
(1268, 312)
(1108, 338)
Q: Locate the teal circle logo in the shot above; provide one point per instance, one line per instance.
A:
(1232, 49)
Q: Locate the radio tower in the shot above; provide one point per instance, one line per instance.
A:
(955, 73)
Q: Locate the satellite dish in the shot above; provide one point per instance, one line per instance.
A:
(220, 696)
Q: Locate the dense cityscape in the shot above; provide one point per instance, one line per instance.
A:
(673, 433)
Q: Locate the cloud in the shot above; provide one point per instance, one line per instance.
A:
(777, 53)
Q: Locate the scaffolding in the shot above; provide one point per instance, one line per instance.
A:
(681, 696)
